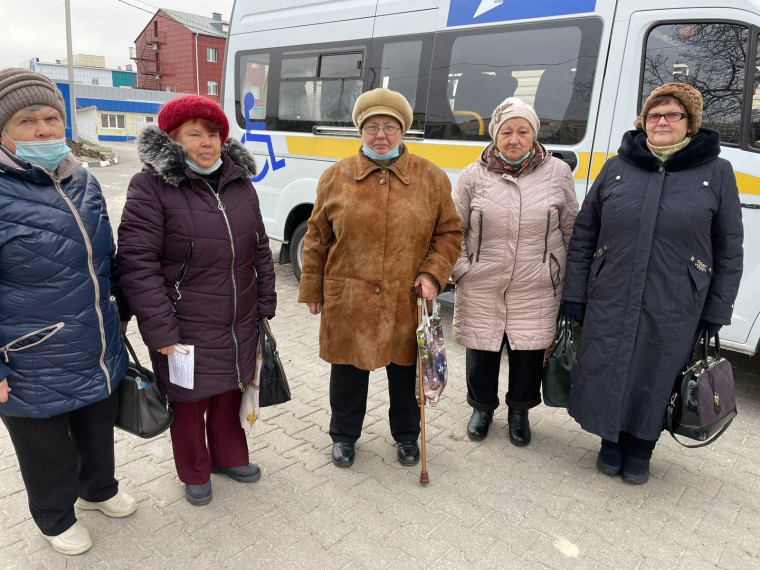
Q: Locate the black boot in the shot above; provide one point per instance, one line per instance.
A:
(519, 427)
(479, 423)
(343, 454)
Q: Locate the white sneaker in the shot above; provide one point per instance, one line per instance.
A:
(120, 505)
(74, 540)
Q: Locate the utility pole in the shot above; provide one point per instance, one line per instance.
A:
(70, 61)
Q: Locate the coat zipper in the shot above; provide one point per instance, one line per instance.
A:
(88, 246)
(480, 237)
(546, 235)
(223, 210)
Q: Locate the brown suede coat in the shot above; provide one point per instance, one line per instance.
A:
(373, 230)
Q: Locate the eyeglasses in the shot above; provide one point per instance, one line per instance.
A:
(387, 129)
(654, 118)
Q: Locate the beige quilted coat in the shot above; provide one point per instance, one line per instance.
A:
(510, 272)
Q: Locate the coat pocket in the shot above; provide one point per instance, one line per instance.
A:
(700, 277)
(595, 289)
(333, 287)
(17, 344)
(600, 256)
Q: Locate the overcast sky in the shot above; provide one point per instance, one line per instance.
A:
(37, 28)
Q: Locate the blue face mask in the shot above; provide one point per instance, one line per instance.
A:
(47, 154)
(519, 161)
(195, 167)
(369, 153)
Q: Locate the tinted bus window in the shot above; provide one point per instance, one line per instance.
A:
(319, 88)
(475, 70)
(755, 117)
(253, 71)
(712, 57)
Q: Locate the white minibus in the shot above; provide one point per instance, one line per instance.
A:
(295, 67)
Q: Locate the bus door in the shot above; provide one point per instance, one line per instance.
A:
(716, 51)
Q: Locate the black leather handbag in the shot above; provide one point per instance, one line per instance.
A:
(558, 364)
(143, 410)
(703, 401)
(273, 384)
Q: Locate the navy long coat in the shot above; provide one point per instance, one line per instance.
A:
(656, 247)
(226, 284)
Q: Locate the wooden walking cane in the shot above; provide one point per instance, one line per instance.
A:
(424, 479)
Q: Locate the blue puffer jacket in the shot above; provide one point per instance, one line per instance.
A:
(60, 338)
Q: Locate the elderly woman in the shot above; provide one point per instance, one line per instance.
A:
(517, 204)
(656, 255)
(197, 268)
(60, 337)
(383, 221)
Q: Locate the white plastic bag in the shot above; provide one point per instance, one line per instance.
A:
(249, 406)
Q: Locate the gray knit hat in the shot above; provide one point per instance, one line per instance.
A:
(21, 88)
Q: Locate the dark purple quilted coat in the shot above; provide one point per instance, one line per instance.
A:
(228, 283)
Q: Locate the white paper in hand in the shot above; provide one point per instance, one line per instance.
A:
(182, 366)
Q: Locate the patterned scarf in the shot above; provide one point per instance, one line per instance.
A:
(537, 155)
(665, 152)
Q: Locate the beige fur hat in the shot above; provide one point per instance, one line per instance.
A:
(689, 97)
(382, 101)
(512, 108)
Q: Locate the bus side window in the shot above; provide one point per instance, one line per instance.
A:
(710, 57)
(252, 76)
(395, 65)
(475, 70)
(755, 118)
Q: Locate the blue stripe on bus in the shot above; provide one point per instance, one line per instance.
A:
(467, 12)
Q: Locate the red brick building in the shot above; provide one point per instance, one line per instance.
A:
(181, 52)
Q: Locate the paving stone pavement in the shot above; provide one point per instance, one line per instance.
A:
(488, 504)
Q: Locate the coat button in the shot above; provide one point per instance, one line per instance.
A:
(659, 170)
(383, 171)
(382, 181)
(377, 290)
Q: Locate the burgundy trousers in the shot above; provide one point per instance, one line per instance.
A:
(206, 433)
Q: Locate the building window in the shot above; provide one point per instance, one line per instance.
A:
(150, 119)
(211, 54)
(95, 81)
(213, 88)
(110, 121)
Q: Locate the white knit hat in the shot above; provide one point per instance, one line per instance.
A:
(512, 108)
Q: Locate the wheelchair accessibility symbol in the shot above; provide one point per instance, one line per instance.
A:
(251, 135)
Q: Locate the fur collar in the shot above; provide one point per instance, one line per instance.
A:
(704, 147)
(166, 158)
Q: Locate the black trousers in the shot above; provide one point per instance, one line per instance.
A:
(631, 445)
(64, 457)
(348, 402)
(482, 369)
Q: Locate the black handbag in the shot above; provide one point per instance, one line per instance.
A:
(558, 364)
(703, 401)
(273, 384)
(143, 410)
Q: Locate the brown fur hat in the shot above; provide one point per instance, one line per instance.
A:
(689, 97)
(382, 101)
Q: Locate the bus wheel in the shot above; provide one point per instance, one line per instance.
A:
(296, 249)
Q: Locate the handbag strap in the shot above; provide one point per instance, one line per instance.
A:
(130, 349)
(669, 420)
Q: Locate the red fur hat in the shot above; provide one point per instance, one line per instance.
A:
(178, 111)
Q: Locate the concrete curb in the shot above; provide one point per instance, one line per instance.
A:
(101, 163)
